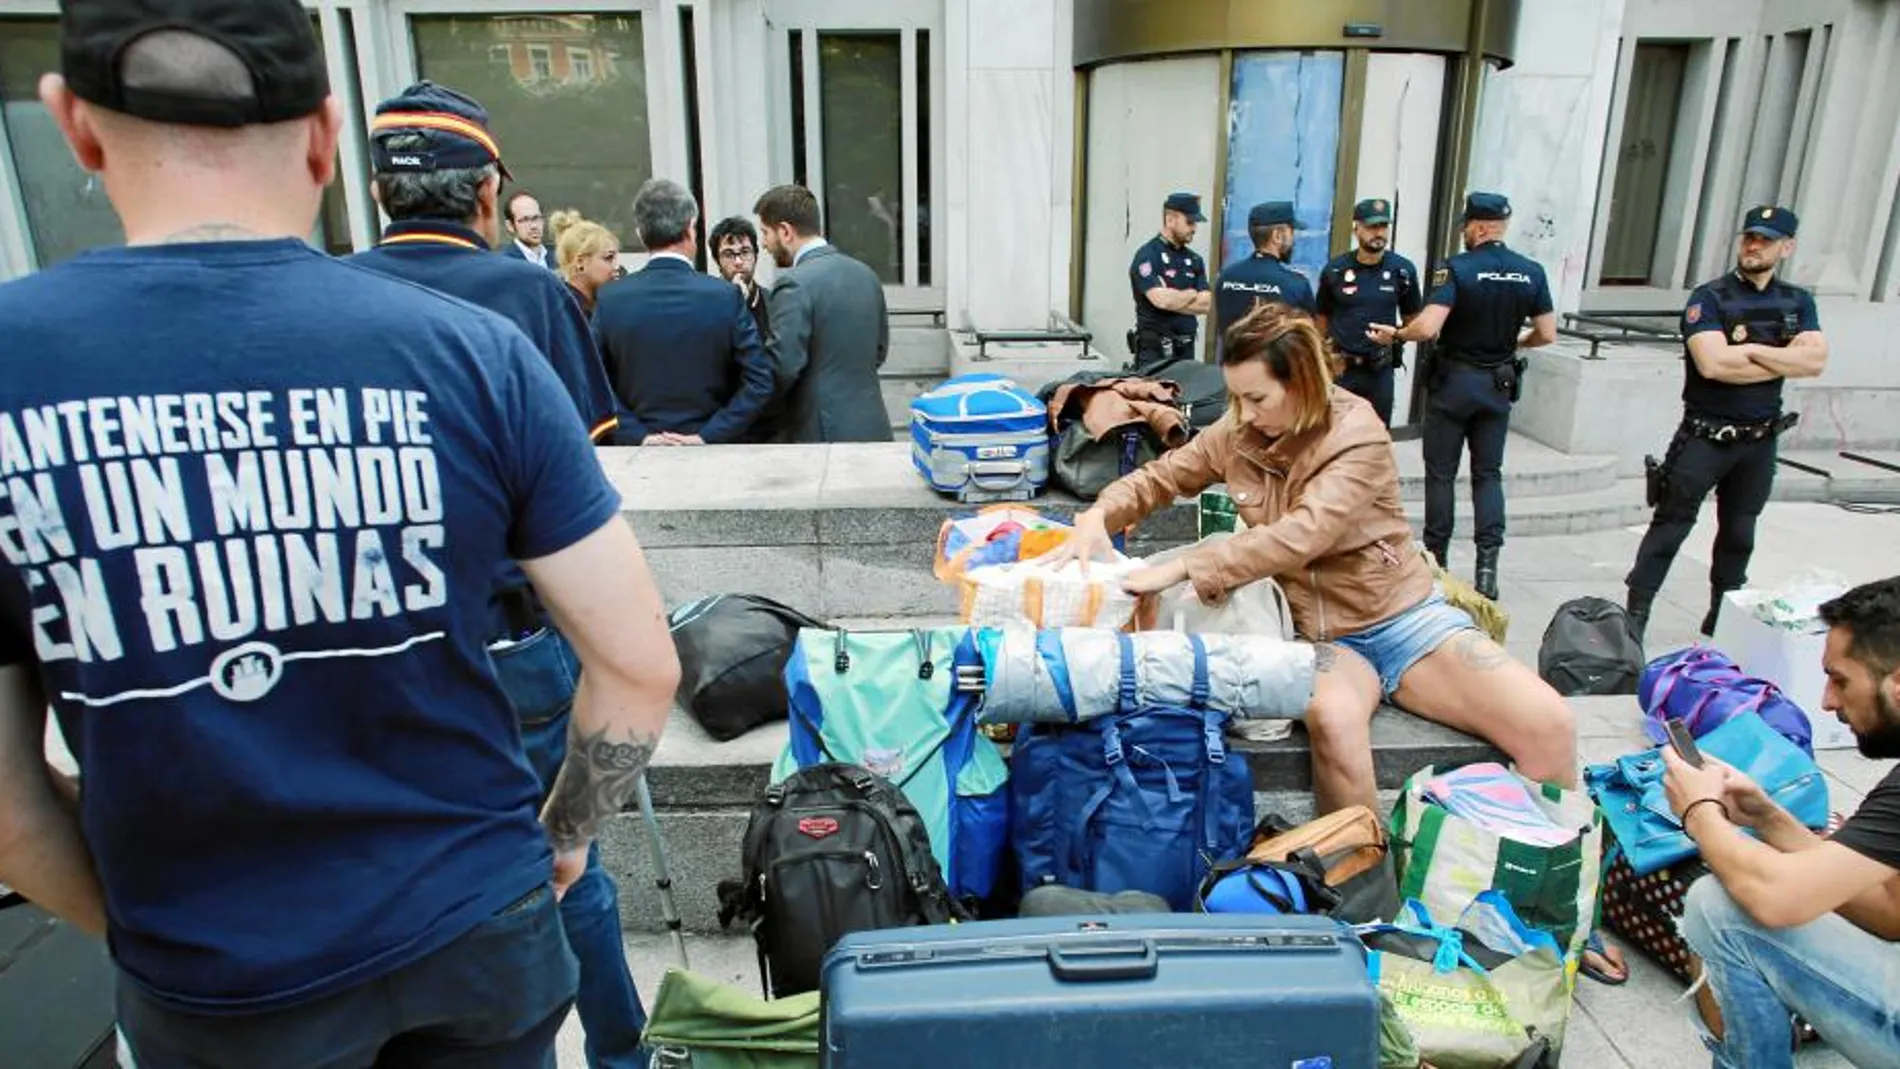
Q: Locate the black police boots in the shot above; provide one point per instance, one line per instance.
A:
(1636, 607)
(1715, 611)
(1441, 553)
(1486, 579)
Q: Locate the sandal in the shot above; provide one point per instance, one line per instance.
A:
(1616, 974)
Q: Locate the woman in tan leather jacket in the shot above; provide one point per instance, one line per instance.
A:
(1311, 470)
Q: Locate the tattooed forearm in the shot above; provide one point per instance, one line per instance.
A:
(1325, 656)
(1481, 653)
(594, 782)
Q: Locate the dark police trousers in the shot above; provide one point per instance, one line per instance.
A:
(1467, 407)
(1375, 386)
(1742, 474)
(493, 999)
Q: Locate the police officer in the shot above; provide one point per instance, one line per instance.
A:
(1264, 276)
(1478, 302)
(1170, 286)
(1367, 285)
(1744, 335)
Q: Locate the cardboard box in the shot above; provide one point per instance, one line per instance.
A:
(1790, 660)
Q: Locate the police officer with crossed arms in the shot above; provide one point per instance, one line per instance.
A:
(1478, 302)
(1170, 287)
(1365, 285)
(1745, 334)
(1264, 276)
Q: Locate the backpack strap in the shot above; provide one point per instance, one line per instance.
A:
(1128, 704)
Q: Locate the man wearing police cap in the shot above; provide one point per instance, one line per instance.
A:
(1478, 302)
(1744, 335)
(1264, 276)
(1170, 286)
(438, 175)
(1366, 285)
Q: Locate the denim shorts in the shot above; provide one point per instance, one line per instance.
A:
(1394, 646)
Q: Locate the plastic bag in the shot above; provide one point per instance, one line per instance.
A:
(1796, 604)
(1000, 534)
(1037, 595)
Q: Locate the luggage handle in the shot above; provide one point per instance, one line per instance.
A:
(998, 475)
(1095, 964)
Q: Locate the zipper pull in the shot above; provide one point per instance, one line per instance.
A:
(923, 639)
(875, 879)
(841, 660)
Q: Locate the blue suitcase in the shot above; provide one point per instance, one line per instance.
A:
(982, 438)
(1135, 990)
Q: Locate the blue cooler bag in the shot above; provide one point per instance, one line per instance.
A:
(982, 438)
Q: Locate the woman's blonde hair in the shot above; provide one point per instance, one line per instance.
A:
(576, 239)
(1288, 342)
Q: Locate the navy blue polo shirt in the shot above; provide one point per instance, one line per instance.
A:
(1257, 278)
(453, 259)
(1161, 263)
(1491, 291)
(1353, 295)
(255, 498)
(1772, 316)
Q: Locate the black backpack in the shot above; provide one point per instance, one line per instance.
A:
(1588, 649)
(733, 649)
(1203, 389)
(830, 850)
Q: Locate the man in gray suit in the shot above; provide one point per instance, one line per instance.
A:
(829, 325)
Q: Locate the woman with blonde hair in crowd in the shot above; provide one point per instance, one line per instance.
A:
(588, 255)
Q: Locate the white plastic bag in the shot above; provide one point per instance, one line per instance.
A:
(1259, 608)
(1036, 595)
(1796, 604)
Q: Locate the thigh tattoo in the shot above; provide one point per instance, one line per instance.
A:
(1479, 652)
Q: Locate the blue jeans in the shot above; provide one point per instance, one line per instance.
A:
(540, 675)
(492, 999)
(1393, 646)
(1845, 981)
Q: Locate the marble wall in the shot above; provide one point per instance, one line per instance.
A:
(1010, 122)
(1541, 128)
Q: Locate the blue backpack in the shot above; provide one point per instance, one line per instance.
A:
(1145, 799)
(887, 701)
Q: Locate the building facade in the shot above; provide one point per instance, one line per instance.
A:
(997, 161)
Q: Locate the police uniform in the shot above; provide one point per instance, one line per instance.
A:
(1476, 375)
(1353, 295)
(1726, 441)
(1161, 336)
(1260, 277)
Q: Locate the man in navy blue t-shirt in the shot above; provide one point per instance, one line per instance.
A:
(254, 502)
(438, 175)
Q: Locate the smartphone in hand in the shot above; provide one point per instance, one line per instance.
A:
(1683, 741)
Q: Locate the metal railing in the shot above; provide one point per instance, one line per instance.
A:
(1608, 326)
(1060, 331)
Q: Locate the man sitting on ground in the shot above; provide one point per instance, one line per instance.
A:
(1796, 922)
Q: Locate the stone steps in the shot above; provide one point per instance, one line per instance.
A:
(1618, 505)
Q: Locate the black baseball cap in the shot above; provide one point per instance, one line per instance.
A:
(1271, 213)
(1770, 221)
(1487, 207)
(1374, 212)
(1187, 204)
(452, 125)
(273, 38)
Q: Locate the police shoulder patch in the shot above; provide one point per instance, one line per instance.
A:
(1147, 269)
(1441, 275)
(1693, 313)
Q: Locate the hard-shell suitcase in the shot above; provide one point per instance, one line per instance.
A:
(982, 438)
(1104, 992)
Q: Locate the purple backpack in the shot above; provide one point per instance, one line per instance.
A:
(1703, 688)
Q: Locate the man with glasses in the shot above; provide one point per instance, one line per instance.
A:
(529, 228)
(735, 245)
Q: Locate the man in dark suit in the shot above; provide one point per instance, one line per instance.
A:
(829, 327)
(682, 349)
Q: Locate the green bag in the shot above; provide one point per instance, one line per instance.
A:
(1084, 466)
(705, 1024)
(1479, 994)
(1446, 862)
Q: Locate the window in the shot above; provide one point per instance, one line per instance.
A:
(580, 144)
(1283, 144)
(580, 66)
(66, 209)
(862, 103)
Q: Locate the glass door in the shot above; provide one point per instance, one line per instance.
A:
(859, 123)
